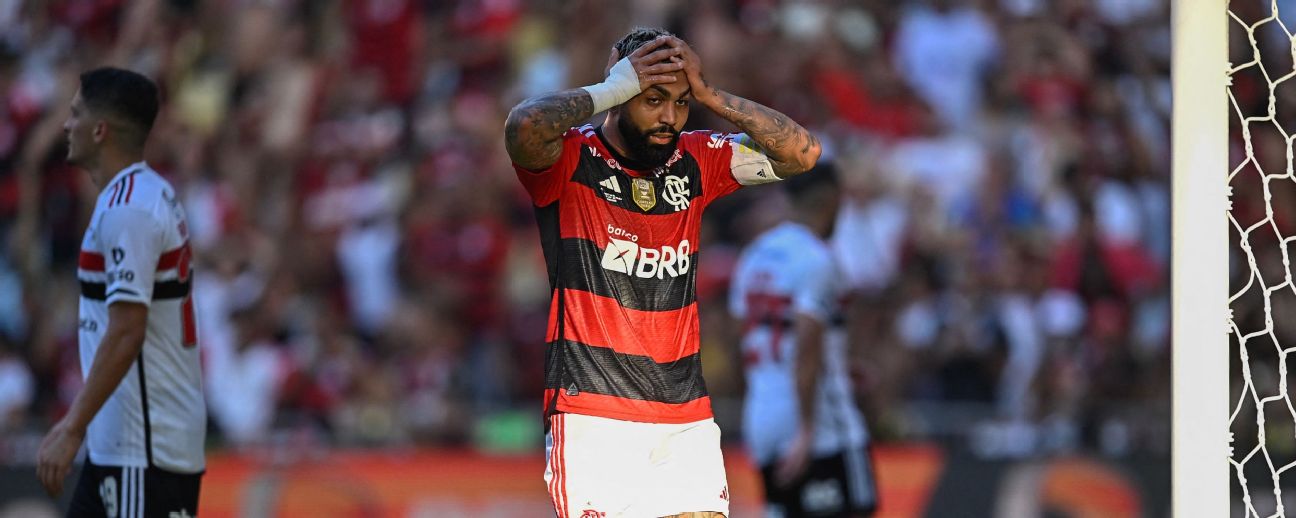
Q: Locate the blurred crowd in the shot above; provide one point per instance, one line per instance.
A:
(369, 271)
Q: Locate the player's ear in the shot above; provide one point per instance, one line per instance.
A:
(612, 59)
(100, 131)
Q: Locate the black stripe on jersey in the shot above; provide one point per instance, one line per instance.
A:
(582, 269)
(600, 370)
(547, 220)
(120, 192)
(161, 290)
(592, 170)
(148, 427)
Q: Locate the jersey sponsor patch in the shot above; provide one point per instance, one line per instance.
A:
(611, 189)
(641, 191)
(629, 258)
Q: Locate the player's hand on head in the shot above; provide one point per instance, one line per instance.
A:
(54, 459)
(692, 64)
(655, 62)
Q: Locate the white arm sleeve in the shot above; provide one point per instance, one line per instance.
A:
(131, 243)
(748, 163)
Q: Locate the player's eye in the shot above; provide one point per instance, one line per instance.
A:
(682, 102)
(654, 101)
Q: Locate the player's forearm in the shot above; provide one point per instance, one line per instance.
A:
(809, 366)
(119, 348)
(534, 129)
(790, 147)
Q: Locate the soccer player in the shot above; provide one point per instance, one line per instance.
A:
(799, 419)
(629, 423)
(141, 411)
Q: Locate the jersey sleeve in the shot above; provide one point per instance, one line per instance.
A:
(545, 185)
(816, 294)
(728, 161)
(738, 290)
(131, 241)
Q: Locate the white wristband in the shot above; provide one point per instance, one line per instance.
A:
(621, 84)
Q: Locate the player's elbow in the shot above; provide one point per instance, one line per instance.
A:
(804, 160)
(810, 156)
(515, 126)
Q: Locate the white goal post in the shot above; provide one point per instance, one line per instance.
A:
(1199, 461)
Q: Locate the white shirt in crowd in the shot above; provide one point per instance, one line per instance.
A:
(943, 57)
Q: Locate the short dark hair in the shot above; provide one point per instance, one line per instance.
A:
(127, 96)
(808, 188)
(637, 38)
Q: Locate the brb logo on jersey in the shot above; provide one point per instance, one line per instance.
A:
(626, 256)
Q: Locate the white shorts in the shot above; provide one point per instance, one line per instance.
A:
(602, 468)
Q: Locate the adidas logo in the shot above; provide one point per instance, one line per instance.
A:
(611, 184)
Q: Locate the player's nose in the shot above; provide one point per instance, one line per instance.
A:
(668, 117)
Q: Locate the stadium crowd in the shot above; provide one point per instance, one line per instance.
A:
(368, 267)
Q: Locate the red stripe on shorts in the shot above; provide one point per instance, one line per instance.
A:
(562, 462)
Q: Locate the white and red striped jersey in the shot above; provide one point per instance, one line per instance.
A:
(136, 250)
(787, 271)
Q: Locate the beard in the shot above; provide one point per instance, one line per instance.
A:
(649, 155)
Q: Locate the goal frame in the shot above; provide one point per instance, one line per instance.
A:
(1200, 471)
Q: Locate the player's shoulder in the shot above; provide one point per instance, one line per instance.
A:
(138, 193)
(706, 139)
(809, 248)
(152, 190)
(815, 247)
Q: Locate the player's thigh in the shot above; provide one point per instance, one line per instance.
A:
(170, 495)
(594, 466)
(97, 492)
(688, 473)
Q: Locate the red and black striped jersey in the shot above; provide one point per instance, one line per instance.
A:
(621, 248)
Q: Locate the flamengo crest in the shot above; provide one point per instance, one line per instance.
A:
(676, 192)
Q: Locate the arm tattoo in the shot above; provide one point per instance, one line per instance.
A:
(533, 132)
(790, 147)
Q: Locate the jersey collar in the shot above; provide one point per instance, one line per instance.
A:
(629, 165)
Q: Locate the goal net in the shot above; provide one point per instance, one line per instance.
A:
(1262, 229)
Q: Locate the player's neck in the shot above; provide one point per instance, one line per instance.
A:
(820, 226)
(109, 164)
(612, 134)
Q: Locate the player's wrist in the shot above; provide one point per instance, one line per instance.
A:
(708, 96)
(621, 84)
(70, 425)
